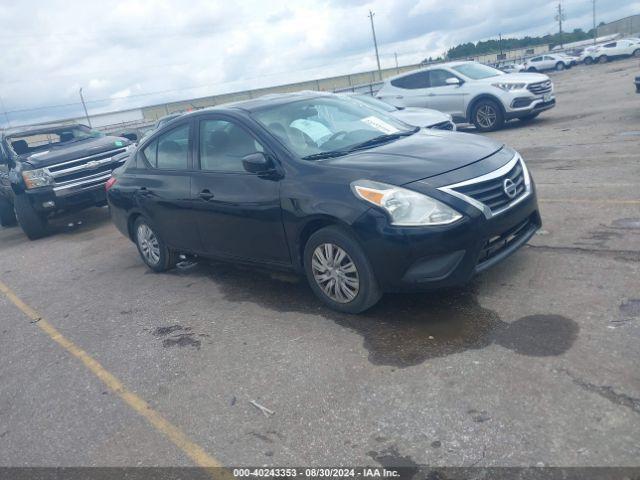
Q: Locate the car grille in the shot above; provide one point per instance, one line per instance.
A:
(89, 169)
(492, 192)
(540, 88)
(447, 125)
(498, 243)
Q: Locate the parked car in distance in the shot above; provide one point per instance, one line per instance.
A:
(315, 183)
(511, 67)
(418, 117)
(45, 170)
(472, 92)
(548, 61)
(608, 51)
(637, 83)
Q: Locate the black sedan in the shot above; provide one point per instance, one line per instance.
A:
(358, 201)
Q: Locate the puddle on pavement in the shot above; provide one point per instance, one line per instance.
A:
(402, 330)
(178, 336)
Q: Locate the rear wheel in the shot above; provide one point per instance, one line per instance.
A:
(636, 52)
(603, 59)
(560, 66)
(487, 116)
(338, 271)
(152, 249)
(7, 215)
(33, 224)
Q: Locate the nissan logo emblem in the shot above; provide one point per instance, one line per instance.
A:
(509, 188)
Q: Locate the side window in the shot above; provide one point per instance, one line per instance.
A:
(150, 153)
(173, 149)
(412, 81)
(536, 59)
(438, 78)
(610, 45)
(223, 145)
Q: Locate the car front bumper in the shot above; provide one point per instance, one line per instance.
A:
(48, 200)
(523, 105)
(425, 258)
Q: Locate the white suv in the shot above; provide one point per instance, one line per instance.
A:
(604, 53)
(548, 62)
(472, 93)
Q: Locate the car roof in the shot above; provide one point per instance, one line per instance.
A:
(36, 129)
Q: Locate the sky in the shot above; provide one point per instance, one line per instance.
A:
(131, 53)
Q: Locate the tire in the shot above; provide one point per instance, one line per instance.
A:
(588, 61)
(33, 224)
(560, 66)
(636, 53)
(7, 215)
(528, 118)
(153, 250)
(360, 292)
(532, 69)
(603, 59)
(487, 116)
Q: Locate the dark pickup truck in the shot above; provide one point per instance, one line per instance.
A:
(46, 170)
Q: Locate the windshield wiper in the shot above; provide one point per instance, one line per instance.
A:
(383, 139)
(329, 154)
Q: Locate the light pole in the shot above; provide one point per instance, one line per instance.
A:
(397, 67)
(559, 18)
(595, 29)
(86, 114)
(375, 43)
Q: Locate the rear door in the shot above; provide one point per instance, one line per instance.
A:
(164, 187)
(408, 91)
(238, 213)
(444, 97)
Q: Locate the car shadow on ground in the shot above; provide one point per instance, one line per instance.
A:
(402, 330)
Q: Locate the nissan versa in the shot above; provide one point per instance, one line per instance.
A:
(357, 200)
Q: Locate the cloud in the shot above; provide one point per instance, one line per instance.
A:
(129, 53)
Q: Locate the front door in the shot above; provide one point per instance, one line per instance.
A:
(239, 214)
(444, 97)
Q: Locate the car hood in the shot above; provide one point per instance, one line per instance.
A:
(72, 151)
(516, 77)
(421, 117)
(424, 154)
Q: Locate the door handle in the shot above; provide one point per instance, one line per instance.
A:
(206, 195)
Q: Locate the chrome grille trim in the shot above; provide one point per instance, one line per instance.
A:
(540, 88)
(81, 163)
(488, 213)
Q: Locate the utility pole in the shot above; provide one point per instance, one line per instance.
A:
(595, 29)
(500, 37)
(4, 110)
(397, 67)
(86, 114)
(559, 18)
(375, 43)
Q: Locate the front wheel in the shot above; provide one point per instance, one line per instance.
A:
(603, 59)
(338, 271)
(560, 66)
(152, 249)
(636, 53)
(588, 61)
(33, 224)
(487, 116)
(532, 69)
(7, 215)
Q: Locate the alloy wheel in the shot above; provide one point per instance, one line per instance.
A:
(149, 245)
(486, 116)
(335, 273)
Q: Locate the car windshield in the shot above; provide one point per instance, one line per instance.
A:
(477, 71)
(40, 140)
(328, 126)
(375, 103)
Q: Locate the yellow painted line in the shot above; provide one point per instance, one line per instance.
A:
(589, 200)
(173, 433)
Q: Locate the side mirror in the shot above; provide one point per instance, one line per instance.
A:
(453, 81)
(257, 163)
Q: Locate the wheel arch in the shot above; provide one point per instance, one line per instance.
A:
(310, 227)
(483, 96)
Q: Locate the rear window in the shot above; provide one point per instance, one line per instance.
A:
(412, 81)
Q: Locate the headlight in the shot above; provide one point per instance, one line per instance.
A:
(507, 87)
(405, 207)
(37, 178)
